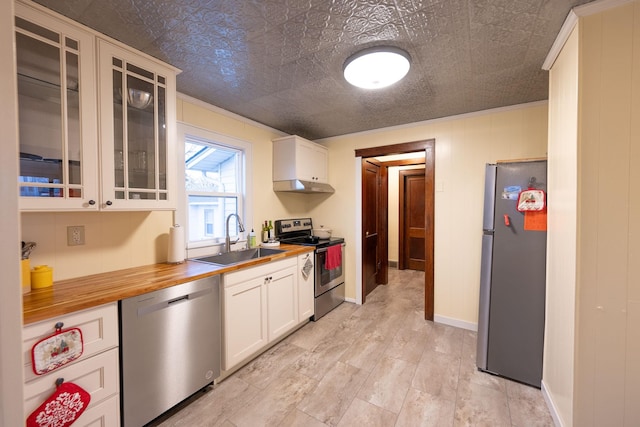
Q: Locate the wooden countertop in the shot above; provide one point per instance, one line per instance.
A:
(80, 293)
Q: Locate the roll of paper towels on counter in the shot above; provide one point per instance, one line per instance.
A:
(176, 252)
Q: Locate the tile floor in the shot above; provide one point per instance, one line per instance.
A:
(379, 364)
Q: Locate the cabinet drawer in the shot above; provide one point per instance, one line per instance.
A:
(104, 414)
(246, 274)
(98, 375)
(99, 328)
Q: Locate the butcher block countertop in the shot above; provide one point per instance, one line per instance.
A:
(80, 293)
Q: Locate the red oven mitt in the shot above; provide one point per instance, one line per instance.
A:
(62, 408)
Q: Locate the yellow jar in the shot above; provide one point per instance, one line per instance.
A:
(25, 266)
(41, 277)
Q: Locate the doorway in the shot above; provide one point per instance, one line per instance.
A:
(379, 193)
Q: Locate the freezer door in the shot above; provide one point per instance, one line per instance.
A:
(489, 196)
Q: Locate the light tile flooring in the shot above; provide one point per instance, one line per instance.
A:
(379, 364)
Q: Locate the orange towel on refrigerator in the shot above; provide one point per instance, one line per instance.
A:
(333, 258)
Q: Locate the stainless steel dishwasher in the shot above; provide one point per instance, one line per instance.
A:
(169, 347)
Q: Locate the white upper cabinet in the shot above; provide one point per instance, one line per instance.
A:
(298, 158)
(80, 149)
(57, 111)
(137, 130)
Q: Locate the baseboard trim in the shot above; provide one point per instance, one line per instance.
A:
(552, 408)
(456, 322)
(353, 300)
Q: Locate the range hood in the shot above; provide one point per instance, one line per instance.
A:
(299, 186)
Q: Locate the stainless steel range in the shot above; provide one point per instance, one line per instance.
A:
(329, 273)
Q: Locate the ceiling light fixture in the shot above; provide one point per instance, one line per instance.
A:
(377, 67)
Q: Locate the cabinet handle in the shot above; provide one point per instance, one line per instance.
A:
(92, 202)
(108, 203)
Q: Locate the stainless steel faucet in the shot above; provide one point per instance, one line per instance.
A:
(227, 239)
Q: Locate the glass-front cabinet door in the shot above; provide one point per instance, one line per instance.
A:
(57, 111)
(137, 103)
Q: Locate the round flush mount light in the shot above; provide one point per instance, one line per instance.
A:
(377, 67)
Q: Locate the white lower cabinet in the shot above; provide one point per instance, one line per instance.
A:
(96, 370)
(245, 321)
(282, 301)
(260, 306)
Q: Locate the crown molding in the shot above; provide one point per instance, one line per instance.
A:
(570, 22)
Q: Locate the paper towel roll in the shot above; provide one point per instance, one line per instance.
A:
(176, 253)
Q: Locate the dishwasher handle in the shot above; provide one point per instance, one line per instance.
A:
(142, 311)
(182, 298)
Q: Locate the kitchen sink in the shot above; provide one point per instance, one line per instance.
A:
(236, 257)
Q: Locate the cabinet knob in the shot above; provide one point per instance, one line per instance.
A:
(108, 203)
(92, 202)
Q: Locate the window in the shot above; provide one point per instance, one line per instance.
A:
(213, 182)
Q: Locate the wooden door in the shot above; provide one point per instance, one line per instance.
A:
(412, 220)
(370, 222)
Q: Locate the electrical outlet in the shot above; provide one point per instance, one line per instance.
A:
(75, 235)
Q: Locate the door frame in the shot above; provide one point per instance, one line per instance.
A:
(428, 146)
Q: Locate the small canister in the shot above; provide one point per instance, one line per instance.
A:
(41, 277)
(26, 275)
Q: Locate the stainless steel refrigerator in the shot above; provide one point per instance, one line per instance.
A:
(513, 269)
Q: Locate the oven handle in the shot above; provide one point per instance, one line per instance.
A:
(321, 250)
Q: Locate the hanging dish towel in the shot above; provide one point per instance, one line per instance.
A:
(306, 268)
(333, 258)
(62, 408)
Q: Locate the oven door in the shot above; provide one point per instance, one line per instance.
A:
(327, 279)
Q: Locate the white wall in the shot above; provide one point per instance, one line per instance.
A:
(592, 348)
(463, 145)
(561, 231)
(113, 240)
(10, 293)
(607, 369)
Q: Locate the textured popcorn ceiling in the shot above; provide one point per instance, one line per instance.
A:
(279, 62)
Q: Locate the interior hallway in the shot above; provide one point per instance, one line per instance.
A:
(379, 364)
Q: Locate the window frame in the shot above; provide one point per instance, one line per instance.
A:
(245, 208)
